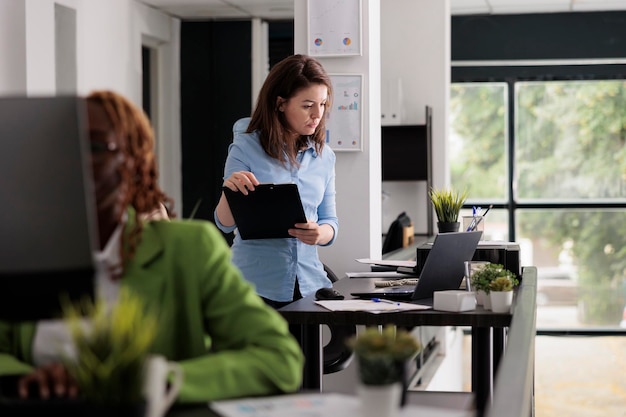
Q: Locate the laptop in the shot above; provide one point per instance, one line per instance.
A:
(443, 270)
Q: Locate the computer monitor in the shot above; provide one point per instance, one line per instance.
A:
(404, 153)
(47, 216)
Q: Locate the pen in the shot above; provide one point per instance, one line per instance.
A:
(380, 300)
(472, 225)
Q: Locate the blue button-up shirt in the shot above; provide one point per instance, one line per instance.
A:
(272, 265)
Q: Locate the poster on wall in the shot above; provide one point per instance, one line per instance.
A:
(334, 27)
(343, 120)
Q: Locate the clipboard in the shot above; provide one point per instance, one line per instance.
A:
(267, 212)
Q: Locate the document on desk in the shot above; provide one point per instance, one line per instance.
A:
(387, 262)
(381, 274)
(315, 405)
(372, 306)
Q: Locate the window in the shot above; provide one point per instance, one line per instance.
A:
(560, 112)
(559, 179)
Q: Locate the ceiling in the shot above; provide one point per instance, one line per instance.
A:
(283, 9)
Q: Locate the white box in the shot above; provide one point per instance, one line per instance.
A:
(454, 300)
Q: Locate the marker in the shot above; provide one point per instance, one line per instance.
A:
(380, 300)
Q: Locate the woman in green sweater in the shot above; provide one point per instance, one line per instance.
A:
(183, 272)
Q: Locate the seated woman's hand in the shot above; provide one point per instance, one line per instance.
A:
(52, 379)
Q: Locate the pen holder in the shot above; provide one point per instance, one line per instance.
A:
(474, 223)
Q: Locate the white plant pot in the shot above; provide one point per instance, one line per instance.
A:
(380, 400)
(482, 298)
(487, 305)
(501, 301)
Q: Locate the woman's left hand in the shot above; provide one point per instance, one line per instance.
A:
(312, 233)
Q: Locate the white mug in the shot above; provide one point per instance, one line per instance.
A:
(162, 382)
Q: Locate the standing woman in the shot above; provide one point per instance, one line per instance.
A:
(283, 142)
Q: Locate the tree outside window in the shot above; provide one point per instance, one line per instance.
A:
(569, 177)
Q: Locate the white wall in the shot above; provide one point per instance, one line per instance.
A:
(110, 36)
(358, 174)
(40, 47)
(162, 34)
(12, 47)
(415, 53)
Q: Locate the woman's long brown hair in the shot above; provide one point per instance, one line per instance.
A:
(285, 79)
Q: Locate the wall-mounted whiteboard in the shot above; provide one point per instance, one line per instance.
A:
(344, 119)
(334, 27)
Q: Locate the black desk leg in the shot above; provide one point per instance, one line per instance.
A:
(311, 344)
(482, 374)
(499, 341)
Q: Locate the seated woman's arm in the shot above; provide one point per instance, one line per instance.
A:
(14, 349)
(252, 351)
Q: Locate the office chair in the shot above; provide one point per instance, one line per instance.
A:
(400, 234)
(337, 356)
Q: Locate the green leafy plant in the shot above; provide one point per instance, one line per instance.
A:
(483, 278)
(501, 284)
(382, 356)
(447, 204)
(112, 343)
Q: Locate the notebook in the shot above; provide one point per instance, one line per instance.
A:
(268, 212)
(443, 270)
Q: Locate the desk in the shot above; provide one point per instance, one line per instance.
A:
(488, 333)
(447, 403)
(191, 410)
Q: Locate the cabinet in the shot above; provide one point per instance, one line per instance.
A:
(391, 102)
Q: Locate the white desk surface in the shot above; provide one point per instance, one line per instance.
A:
(317, 405)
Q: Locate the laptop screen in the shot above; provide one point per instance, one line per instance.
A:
(443, 270)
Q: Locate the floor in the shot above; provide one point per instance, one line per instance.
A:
(580, 377)
(575, 376)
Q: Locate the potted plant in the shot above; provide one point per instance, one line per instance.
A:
(112, 344)
(482, 278)
(501, 292)
(382, 357)
(447, 204)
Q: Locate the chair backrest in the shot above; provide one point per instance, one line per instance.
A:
(331, 275)
(397, 235)
(514, 389)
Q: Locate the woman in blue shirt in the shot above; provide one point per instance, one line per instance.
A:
(283, 142)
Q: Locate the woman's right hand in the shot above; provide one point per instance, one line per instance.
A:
(49, 378)
(242, 181)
